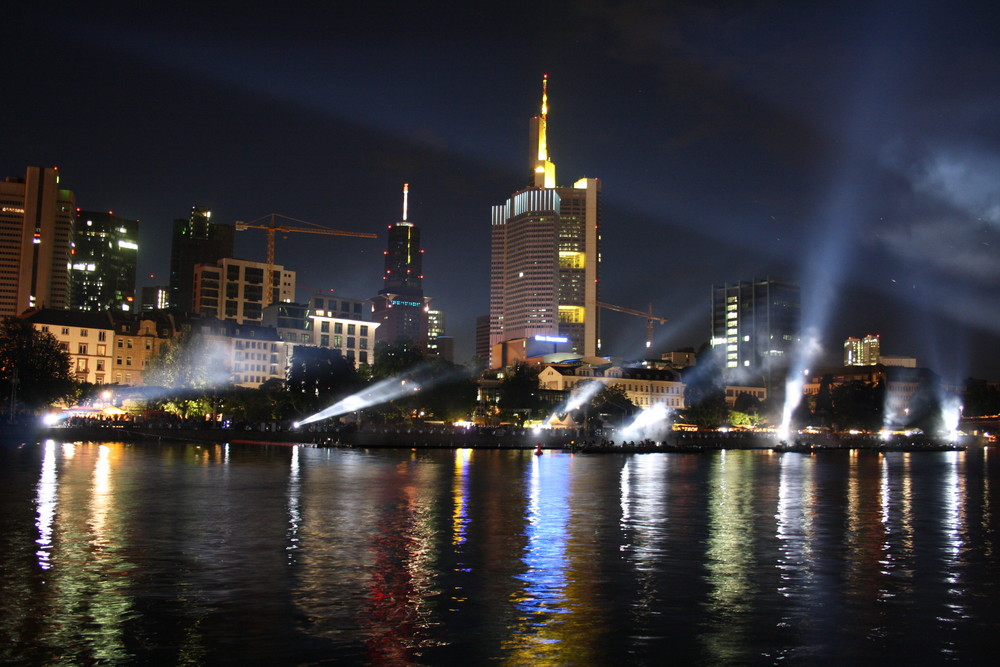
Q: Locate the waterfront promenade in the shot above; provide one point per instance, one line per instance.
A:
(446, 436)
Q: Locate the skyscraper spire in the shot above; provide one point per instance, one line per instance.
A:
(543, 170)
(400, 307)
(543, 118)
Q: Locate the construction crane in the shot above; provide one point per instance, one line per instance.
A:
(273, 227)
(650, 318)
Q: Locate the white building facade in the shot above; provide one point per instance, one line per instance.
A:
(644, 387)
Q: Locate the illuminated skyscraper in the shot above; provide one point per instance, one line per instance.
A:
(36, 232)
(196, 240)
(401, 307)
(756, 323)
(545, 257)
(861, 351)
(105, 253)
(155, 297)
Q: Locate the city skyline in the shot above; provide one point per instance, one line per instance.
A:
(844, 147)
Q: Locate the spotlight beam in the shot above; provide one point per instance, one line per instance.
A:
(381, 392)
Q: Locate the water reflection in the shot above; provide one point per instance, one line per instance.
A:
(460, 497)
(987, 509)
(294, 503)
(557, 606)
(398, 617)
(729, 555)
(644, 489)
(86, 599)
(541, 597)
(173, 554)
(46, 500)
(795, 532)
(954, 526)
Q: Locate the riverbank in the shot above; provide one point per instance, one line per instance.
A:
(482, 438)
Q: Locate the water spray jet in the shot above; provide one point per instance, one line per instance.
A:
(579, 395)
(649, 424)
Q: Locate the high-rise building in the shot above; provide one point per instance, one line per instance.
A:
(756, 322)
(36, 235)
(325, 322)
(439, 344)
(196, 240)
(105, 253)
(545, 255)
(233, 289)
(435, 323)
(483, 338)
(861, 351)
(155, 297)
(327, 305)
(400, 307)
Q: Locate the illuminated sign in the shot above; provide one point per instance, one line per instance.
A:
(415, 304)
(551, 339)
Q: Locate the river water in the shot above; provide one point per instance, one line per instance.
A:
(164, 553)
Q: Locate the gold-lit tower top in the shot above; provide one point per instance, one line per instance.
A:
(406, 197)
(543, 120)
(544, 171)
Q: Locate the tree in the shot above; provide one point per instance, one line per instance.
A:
(610, 403)
(824, 401)
(319, 374)
(242, 404)
(34, 368)
(187, 362)
(705, 390)
(449, 391)
(395, 359)
(980, 399)
(857, 405)
(518, 392)
(747, 403)
(739, 418)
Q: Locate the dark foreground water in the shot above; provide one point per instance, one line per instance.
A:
(182, 554)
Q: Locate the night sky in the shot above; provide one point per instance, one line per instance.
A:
(853, 147)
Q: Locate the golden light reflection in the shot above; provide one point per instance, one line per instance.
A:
(853, 500)
(729, 556)
(86, 601)
(100, 498)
